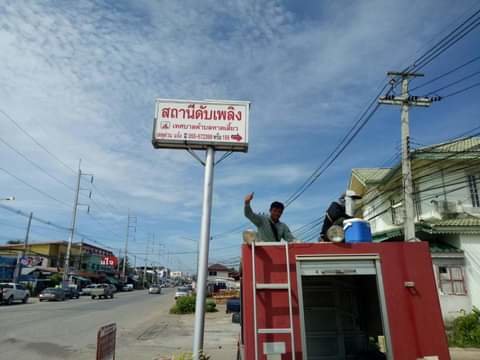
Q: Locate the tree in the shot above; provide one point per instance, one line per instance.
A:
(14, 242)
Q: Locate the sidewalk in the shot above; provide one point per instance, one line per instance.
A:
(464, 354)
(175, 333)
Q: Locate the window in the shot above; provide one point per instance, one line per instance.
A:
(20, 287)
(212, 273)
(397, 212)
(472, 185)
(451, 280)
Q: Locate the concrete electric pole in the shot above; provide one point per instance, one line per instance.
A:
(131, 223)
(17, 274)
(405, 101)
(76, 204)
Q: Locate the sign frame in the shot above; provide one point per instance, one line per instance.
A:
(181, 139)
(106, 342)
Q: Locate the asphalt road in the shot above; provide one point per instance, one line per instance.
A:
(67, 330)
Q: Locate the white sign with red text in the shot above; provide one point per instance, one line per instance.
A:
(192, 124)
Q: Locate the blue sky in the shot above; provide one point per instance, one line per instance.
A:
(81, 77)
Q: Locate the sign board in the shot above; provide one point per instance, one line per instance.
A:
(106, 337)
(33, 261)
(196, 125)
(109, 261)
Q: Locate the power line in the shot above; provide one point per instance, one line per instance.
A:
(34, 187)
(446, 42)
(461, 90)
(35, 141)
(319, 171)
(469, 76)
(446, 74)
(35, 164)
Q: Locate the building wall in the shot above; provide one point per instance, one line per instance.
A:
(470, 244)
(451, 305)
(219, 275)
(434, 187)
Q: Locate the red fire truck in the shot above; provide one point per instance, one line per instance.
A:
(328, 301)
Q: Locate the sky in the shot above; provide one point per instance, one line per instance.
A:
(79, 80)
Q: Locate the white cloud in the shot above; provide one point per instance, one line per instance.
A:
(82, 78)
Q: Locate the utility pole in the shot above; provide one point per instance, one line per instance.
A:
(145, 265)
(406, 101)
(119, 258)
(72, 228)
(76, 204)
(16, 274)
(131, 223)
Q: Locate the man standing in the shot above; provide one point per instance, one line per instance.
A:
(269, 228)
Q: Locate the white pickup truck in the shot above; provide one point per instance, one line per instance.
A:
(10, 292)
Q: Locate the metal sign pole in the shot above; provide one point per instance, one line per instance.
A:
(202, 270)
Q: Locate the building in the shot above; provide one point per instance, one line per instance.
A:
(92, 258)
(177, 274)
(446, 180)
(218, 271)
(45, 254)
(49, 257)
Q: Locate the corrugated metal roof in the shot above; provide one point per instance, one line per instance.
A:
(457, 222)
(438, 247)
(370, 175)
(470, 148)
(463, 145)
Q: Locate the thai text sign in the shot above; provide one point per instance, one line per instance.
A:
(191, 124)
(109, 261)
(106, 337)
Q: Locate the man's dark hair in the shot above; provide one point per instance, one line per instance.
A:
(277, 205)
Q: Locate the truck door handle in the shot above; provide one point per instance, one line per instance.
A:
(339, 272)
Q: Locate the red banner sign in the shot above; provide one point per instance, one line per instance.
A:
(109, 261)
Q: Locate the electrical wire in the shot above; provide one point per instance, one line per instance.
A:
(34, 187)
(446, 74)
(6, 115)
(461, 91)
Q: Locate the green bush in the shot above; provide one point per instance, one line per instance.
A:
(211, 306)
(465, 330)
(186, 305)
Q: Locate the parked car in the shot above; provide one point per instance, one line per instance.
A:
(49, 294)
(128, 287)
(181, 291)
(71, 293)
(102, 291)
(86, 290)
(10, 292)
(155, 289)
(233, 305)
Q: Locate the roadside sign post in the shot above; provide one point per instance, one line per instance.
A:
(210, 125)
(106, 340)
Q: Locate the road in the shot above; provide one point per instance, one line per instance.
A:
(145, 329)
(67, 330)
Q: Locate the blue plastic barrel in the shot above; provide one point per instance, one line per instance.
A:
(357, 230)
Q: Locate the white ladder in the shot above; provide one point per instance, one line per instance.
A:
(272, 286)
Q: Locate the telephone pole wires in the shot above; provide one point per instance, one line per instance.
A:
(406, 101)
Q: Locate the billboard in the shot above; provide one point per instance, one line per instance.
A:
(196, 125)
(109, 261)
